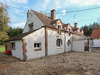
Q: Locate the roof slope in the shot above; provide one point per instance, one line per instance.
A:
(20, 36)
(45, 19)
(95, 33)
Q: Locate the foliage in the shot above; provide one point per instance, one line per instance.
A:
(3, 36)
(4, 18)
(2, 48)
(88, 29)
(14, 31)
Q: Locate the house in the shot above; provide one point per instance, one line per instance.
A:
(44, 36)
(96, 38)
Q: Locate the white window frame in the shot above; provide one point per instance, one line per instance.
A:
(59, 29)
(36, 47)
(60, 43)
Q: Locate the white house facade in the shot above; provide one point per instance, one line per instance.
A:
(44, 36)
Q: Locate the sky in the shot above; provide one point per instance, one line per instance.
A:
(18, 10)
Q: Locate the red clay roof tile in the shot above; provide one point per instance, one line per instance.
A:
(95, 33)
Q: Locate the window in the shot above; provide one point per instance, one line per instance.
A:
(65, 28)
(37, 45)
(30, 26)
(69, 42)
(59, 29)
(13, 46)
(59, 42)
(69, 32)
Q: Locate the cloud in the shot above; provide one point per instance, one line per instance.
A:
(19, 12)
(18, 1)
(64, 12)
(46, 2)
(20, 25)
(75, 3)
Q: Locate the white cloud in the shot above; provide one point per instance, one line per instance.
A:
(46, 2)
(64, 12)
(19, 12)
(20, 25)
(18, 1)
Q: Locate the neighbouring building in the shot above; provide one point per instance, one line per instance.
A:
(44, 36)
(96, 38)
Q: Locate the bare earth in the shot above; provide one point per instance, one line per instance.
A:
(72, 63)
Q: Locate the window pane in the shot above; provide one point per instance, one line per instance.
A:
(34, 44)
(38, 45)
(58, 42)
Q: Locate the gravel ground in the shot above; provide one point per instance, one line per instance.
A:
(72, 63)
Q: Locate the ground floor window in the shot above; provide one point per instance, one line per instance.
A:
(37, 45)
(59, 42)
(69, 42)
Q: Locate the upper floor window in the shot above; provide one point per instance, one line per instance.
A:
(59, 29)
(69, 32)
(31, 26)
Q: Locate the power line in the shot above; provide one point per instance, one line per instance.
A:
(79, 10)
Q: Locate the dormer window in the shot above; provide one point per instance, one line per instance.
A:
(69, 31)
(59, 29)
(54, 25)
(31, 26)
(65, 28)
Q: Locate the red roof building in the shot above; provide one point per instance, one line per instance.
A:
(95, 33)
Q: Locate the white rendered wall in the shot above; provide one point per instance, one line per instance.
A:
(68, 48)
(96, 43)
(18, 52)
(78, 46)
(35, 37)
(32, 18)
(52, 37)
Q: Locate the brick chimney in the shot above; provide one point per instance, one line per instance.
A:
(28, 14)
(75, 25)
(53, 14)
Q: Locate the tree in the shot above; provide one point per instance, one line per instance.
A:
(3, 36)
(14, 31)
(88, 29)
(4, 18)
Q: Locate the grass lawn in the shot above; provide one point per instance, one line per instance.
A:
(2, 48)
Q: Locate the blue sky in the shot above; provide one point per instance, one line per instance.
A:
(18, 10)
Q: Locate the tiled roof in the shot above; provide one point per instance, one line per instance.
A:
(20, 36)
(45, 19)
(95, 33)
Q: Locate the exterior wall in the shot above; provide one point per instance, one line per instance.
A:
(52, 38)
(35, 37)
(18, 52)
(8, 46)
(96, 43)
(67, 37)
(78, 45)
(32, 18)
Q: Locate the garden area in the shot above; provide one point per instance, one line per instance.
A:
(2, 48)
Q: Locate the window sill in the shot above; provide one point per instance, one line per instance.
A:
(37, 49)
(13, 49)
(58, 47)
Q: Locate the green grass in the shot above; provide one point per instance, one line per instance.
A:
(2, 48)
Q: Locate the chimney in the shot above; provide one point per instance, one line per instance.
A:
(75, 25)
(53, 14)
(28, 14)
